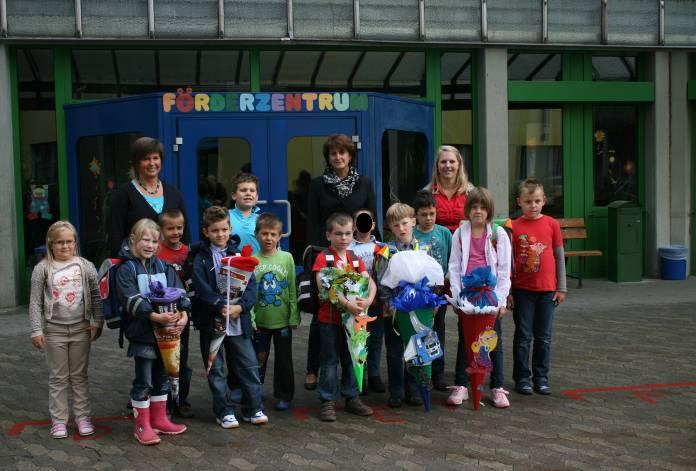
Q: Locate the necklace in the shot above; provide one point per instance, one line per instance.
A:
(154, 192)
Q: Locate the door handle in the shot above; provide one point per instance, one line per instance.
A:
(289, 208)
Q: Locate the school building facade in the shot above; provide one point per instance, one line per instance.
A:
(595, 98)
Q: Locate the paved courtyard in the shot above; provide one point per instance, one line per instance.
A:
(623, 373)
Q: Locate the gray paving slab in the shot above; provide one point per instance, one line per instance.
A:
(623, 373)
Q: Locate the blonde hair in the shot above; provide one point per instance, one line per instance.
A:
(397, 212)
(139, 230)
(462, 180)
(52, 234)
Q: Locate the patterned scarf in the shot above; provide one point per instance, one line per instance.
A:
(343, 188)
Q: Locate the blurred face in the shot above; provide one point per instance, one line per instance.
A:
(426, 218)
(147, 246)
(173, 230)
(218, 233)
(150, 166)
(339, 159)
(532, 203)
(478, 215)
(246, 196)
(403, 229)
(364, 223)
(269, 238)
(448, 165)
(63, 247)
(340, 236)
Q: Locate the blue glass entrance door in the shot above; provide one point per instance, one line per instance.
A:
(212, 151)
(294, 158)
(284, 152)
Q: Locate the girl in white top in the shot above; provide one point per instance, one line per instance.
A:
(478, 243)
(65, 312)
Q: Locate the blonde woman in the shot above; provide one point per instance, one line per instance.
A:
(65, 312)
(449, 185)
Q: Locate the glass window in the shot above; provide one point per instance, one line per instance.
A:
(534, 67)
(102, 20)
(103, 165)
(536, 150)
(38, 152)
(105, 73)
(323, 19)
(615, 154)
(514, 21)
(404, 165)
(186, 19)
(398, 73)
(455, 76)
(614, 68)
(395, 19)
(53, 18)
(453, 20)
(305, 161)
(220, 159)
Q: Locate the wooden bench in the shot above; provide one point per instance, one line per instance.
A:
(574, 229)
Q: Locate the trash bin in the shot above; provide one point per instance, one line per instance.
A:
(673, 262)
(625, 227)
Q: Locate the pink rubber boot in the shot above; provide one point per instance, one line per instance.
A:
(142, 431)
(158, 417)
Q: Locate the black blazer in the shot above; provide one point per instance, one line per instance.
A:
(322, 203)
(127, 206)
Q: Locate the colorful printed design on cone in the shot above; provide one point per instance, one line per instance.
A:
(165, 299)
(351, 285)
(480, 339)
(235, 271)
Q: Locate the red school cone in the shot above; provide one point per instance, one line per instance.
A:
(478, 341)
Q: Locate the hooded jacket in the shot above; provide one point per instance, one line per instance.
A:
(209, 300)
(132, 282)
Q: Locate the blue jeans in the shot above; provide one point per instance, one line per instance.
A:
(313, 346)
(461, 378)
(400, 381)
(334, 350)
(374, 345)
(150, 379)
(533, 316)
(245, 367)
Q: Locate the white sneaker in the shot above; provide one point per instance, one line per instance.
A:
(259, 418)
(228, 421)
(499, 398)
(458, 395)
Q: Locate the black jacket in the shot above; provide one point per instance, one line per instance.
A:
(322, 203)
(127, 206)
(209, 300)
(136, 323)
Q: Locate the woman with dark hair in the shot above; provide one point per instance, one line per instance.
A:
(145, 196)
(340, 189)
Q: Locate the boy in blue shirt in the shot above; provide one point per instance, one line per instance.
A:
(245, 194)
(437, 241)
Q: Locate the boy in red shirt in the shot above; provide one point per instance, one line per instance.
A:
(173, 251)
(339, 232)
(538, 286)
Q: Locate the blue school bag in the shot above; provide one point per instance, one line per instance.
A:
(113, 310)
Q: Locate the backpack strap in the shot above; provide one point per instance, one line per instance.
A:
(354, 259)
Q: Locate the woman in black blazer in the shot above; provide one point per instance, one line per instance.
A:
(145, 196)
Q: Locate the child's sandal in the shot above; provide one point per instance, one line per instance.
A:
(85, 427)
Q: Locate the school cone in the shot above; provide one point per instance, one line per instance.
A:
(476, 329)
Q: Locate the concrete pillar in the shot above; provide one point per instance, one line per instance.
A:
(492, 89)
(657, 166)
(680, 152)
(9, 261)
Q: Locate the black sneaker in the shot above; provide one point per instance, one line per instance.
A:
(355, 406)
(439, 383)
(376, 385)
(184, 410)
(523, 388)
(413, 400)
(543, 388)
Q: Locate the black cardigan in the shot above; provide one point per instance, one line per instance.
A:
(322, 203)
(127, 206)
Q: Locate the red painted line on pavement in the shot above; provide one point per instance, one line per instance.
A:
(577, 394)
(102, 430)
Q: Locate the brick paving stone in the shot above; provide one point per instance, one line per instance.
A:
(605, 335)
